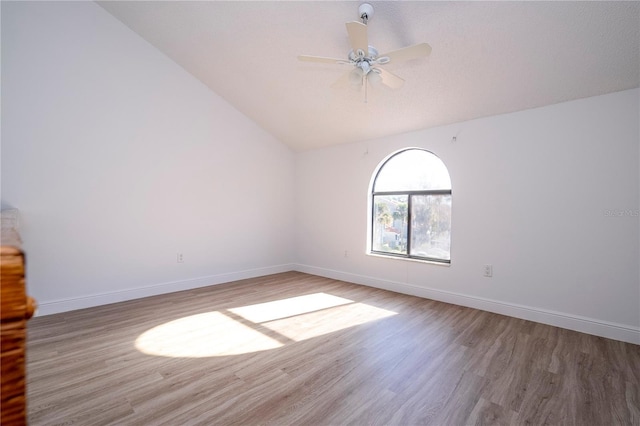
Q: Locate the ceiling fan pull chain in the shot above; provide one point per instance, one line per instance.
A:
(365, 80)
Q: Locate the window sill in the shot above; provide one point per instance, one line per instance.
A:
(409, 259)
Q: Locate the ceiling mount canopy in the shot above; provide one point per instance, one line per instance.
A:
(366, 12)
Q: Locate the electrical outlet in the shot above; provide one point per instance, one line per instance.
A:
(346, 253)
(180, 258)
(488, 270)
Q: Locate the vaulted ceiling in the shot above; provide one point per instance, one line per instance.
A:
(488, 58)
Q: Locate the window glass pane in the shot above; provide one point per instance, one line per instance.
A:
(413, 169)
(431, 226)
(390, 223)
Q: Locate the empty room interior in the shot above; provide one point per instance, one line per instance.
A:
(321, 213)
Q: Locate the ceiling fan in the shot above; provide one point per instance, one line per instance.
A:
(366, 60)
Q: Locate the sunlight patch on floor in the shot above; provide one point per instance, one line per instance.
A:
(203, 335)
(258, 327)
(314, 324)
(289, 307)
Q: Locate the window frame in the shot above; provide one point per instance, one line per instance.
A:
(409, 194)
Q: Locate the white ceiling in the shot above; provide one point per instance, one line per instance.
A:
(488, 58)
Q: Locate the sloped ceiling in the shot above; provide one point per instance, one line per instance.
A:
(488, 58)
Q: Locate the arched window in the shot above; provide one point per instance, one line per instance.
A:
(411, 207)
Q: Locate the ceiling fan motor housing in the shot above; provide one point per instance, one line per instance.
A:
(371, 55)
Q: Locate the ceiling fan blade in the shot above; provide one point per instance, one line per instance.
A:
(358, 36)
(410, 52)
(321, 59)
(342, 81)
(390, 79)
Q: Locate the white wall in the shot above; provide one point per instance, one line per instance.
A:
(118, 159)
(548, 196)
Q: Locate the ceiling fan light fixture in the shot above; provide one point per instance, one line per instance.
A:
(374, 77)
(355, 77)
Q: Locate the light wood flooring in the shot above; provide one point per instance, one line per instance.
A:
(297, 349)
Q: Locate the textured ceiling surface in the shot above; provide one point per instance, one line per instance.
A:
(488, 58)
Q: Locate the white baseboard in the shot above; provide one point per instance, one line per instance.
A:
(596, 327)
(65, 305)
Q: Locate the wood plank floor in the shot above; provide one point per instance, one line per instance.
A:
(299, 349)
